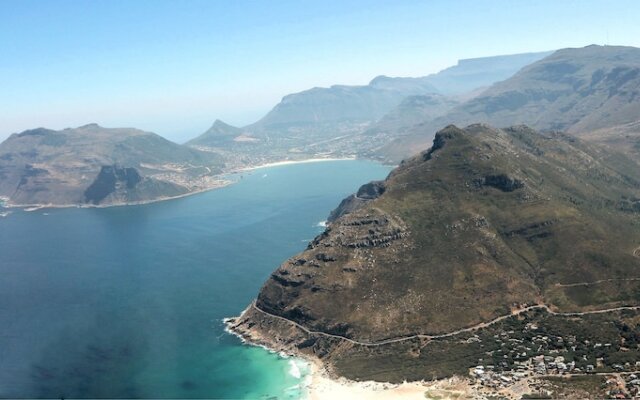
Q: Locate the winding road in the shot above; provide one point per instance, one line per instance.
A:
(596, 282)
(444, 335)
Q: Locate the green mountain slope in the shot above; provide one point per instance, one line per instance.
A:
(485, 222)
(43, 166)
(575, 90)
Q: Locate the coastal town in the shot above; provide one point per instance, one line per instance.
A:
(529, 366)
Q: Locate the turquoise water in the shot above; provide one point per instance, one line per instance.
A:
(127, 302)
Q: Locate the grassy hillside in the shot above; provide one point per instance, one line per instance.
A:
(581, 91)
(43, 166)
(455, 246)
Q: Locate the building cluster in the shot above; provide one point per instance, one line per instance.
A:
(514, 359)
(622, 386)
(193, 183)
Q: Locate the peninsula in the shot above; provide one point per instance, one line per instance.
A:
(499, 255)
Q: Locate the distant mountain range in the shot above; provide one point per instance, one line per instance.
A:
(323, 121)
(595, 88)
(99, 166)
(340, 103)
(371, 102)
(591, 92)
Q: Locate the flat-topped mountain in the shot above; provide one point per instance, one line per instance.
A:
(483, 224)
(96, 165)
(475, 73)
(595, 88)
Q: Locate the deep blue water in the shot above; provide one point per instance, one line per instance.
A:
(127, 302)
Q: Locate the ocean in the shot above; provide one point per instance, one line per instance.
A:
(128, 302)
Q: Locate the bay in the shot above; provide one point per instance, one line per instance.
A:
(128, 302)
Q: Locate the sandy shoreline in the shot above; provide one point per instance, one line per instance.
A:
(291, 162)
(324, 387)
(320, 384)
(35, 207)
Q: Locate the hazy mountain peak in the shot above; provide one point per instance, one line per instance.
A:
(221, 126)
(218, 134)
(378, 79)
(92, 125)
(33, 132)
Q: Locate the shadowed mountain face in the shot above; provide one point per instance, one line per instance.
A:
(575, 90)
(484, 221)
(96, 165)
(413, 110)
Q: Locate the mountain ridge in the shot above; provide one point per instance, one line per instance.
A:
(485, 223)
(344, 121)
(393, 89)
(579, 90)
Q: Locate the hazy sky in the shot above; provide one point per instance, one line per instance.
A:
(173, 67)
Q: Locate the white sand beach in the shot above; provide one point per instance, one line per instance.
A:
(323, 387)
(290, 162)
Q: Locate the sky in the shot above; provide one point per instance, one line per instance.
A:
(173, 67)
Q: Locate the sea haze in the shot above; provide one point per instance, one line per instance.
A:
(128, 301)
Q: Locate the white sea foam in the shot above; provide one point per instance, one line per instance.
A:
(299, 368)
(294, 370)
(322, 224)
(230, 331)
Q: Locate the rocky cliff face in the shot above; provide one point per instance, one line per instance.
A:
(367, 192)
(110, 179)
(120, 185)
(484, 222)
